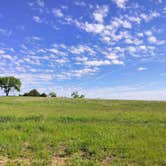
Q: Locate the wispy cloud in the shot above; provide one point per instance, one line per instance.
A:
(40, 3)
(37, 19)
(57, 12)
(120, 3)
(141, 68)
(100, 13)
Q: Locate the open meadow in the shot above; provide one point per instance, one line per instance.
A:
(57, 131)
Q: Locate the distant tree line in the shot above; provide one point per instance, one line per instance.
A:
(35, 93)
(8, 84)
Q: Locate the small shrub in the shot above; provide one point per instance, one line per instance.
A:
(52, 94)
(43, 95)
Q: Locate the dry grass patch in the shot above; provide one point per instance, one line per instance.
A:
(3, 161)
(107, 161)
(58, 161)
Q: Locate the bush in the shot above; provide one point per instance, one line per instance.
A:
(25, 94)
(43, 95)
(33, 92)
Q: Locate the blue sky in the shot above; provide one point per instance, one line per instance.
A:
(104, 49)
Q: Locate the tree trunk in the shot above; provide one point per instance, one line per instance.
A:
(7, 92)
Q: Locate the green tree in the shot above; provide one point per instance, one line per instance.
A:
(81, 96)
(33, 92)
(76, 95)
(43, 95)
(10, 83)
(52, 94)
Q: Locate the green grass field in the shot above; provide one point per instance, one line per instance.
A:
(44, 131)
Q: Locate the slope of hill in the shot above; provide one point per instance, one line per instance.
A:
(44, 131)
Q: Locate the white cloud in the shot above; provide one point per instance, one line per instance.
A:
(148, 33)
(57, 12)
(33, 70)
(133, 40)
(161, 42)
(80, 3)
(84, 71)
(135, 19)
(103, 62)
(107, 39)
(142, 47)
(164, 10)
(36, 38)
(112, 56)
(2, 51)
(117, 62)
(37, 19)
(120, 3)
(131, 49)
(100, 13)
(127, 24)
(97, 62)
(81, 49)
(94, 28)
(82, 59)
(141, 68)
(61, 61)
(7, 56)
(54, 50)
(152, 39)
(77, 73)
(57, 52)
(148, 17)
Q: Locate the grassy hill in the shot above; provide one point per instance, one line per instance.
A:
(44, 131)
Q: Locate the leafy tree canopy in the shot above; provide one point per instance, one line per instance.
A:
(52, 94)
(76, 95)
(33, 92)
(43, 95)
(10, 83)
